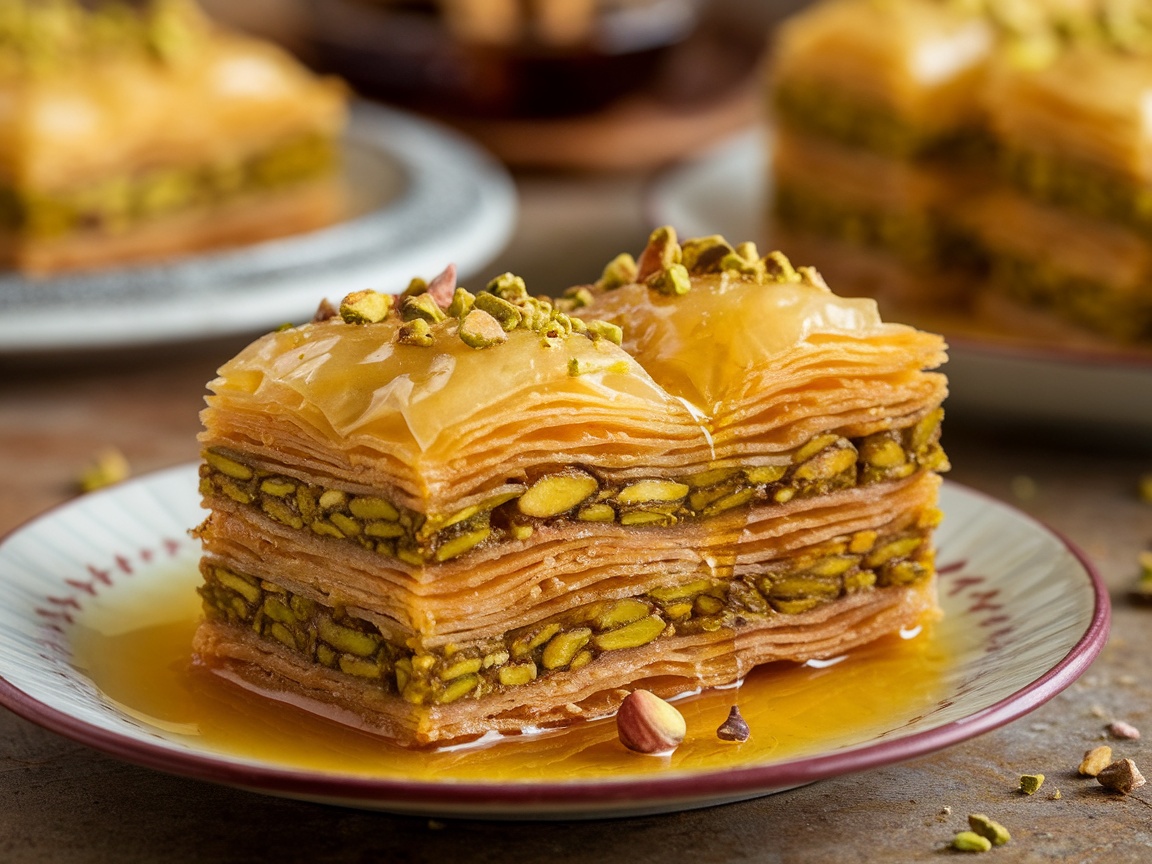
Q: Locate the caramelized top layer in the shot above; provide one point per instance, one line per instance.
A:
(441, 395)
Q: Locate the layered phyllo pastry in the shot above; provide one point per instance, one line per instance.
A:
(1002, 143)
(134, 132)
(443, 513)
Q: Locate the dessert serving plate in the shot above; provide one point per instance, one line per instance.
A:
(1001, 373)
(98, 604)
(418, 196)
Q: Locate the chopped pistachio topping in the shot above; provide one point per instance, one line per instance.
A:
(705, 254)
(605, 330)
(416, 332)
(365, 307)
(421, 306)
(668, 267)
(480, 330)
(329, 636)
(673, 281)
(461, 305)
(510, 287)
(620, 271)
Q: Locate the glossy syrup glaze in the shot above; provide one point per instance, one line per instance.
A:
(137, 653)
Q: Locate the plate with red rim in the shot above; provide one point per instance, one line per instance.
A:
(1074, 380)
(1024, 614)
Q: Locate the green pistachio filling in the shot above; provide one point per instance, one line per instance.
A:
(1090, 190)
(832, 113)
(917, 239)
(1121, 315)
(825, 464)
(118, 203)
(45, 36)
(327, 635)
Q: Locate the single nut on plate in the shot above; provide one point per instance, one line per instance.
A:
(1031, 783)
(1120, 729)
(735, 728)
(989, 829)
(1121, 776)
(1095, 761)
(970, 841)
(648, 724)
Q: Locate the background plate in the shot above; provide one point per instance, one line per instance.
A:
(1024, 615)
(422, 196)
(725, 192)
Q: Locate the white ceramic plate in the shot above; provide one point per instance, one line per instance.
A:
(724, 192)
(1024, 615)
(422, 196)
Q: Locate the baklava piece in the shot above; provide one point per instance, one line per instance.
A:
(1070, 232)
(1003, 143)
(444, 514)
(877, 115)
(134, 133)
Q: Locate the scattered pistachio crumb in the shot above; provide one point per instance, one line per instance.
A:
(1097, 711)
(991, 830)
(1023, 487)
(734, 728)
(1031, 783)
(107, 467)
(1120, 729)
(1055, 796)
(970, 841)
(1121, 776)
(1145, 488)
(1095, 760)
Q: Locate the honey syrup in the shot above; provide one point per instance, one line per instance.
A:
(136, 650)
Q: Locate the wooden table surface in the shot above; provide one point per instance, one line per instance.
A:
(62, 802)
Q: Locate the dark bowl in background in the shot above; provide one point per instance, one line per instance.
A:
(405, 52)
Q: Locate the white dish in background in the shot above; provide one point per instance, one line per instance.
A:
(422, 196)
(1024, 616)
(725, 192)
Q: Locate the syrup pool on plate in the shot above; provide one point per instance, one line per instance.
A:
(135, 647)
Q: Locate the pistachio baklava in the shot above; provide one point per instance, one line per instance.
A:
(137, 132)
(999, 142)
(442, 514)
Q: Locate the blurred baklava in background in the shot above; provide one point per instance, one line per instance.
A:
(1005, 144)
(134, 132)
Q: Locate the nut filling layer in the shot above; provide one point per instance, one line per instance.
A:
(330, 636)
(825, 464)
(118, 202)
